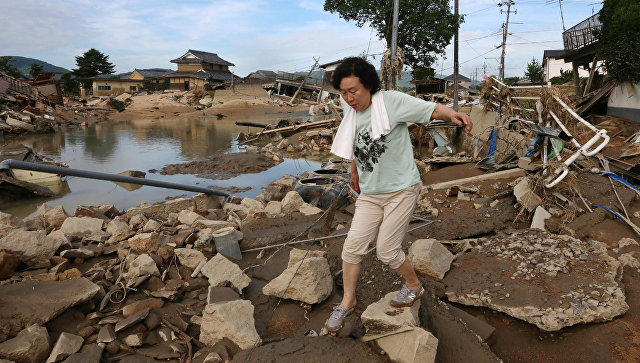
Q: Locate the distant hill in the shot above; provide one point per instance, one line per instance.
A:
(24, 63)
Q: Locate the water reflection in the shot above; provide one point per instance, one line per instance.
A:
(113, 147)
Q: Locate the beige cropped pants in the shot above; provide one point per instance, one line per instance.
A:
(384, 217)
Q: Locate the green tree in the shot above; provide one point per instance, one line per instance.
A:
(425, 27)
(92, 63)
(69, 85)
(618, 40)
(8, 68)
(35, 70)
(534, 71)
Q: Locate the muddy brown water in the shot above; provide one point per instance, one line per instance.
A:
(114, 147)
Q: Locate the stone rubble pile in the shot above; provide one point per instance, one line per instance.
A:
(144, 283)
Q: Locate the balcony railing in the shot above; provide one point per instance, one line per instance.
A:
(581, 34)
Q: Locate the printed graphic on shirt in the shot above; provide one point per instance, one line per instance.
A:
(369, 154)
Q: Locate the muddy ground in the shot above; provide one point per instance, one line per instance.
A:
(223, 166)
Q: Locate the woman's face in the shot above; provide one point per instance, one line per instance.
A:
(355, 93)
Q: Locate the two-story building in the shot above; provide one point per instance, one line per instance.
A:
(197, 68)
(108, 85)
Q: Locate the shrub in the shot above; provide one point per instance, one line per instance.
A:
(116, 105)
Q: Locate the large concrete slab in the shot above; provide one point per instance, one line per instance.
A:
(36, 302)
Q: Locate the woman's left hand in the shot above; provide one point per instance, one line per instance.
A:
(462, 119)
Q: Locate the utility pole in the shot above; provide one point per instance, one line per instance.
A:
(455, 61)
(394, 41)
(505, 31)
(561, 15)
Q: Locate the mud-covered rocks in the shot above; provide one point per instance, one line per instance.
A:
(220, 272)
(213, 224)
(31, 345)
(66, 345)
(35, 248)
(380, 318)
(252, 205)
(273, 208)
(119, 230)
(512, 273)
(308, 280)
(78, 227)
(8, 264)
(55, 216)
(232, 320)
(429, 257)
(309, 210)
(292, 202)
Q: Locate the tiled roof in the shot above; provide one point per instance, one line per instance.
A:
(460, 78)
(201, 57)
(153, 72)
(204, 74)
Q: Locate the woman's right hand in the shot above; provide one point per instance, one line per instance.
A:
(355, 180)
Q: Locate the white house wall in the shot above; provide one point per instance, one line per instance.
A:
(624, 101)
(553, 66)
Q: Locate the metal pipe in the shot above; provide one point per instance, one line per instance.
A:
(575, 115)
(23, 165)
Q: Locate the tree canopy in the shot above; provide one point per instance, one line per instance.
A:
(619, 43)
(9, 69)
(35, 70)
(425, 27)
(534, 71)
(92, 63)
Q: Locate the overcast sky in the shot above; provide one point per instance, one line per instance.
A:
(262, 34)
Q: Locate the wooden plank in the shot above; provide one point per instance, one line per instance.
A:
(301, 126)
(511, 173)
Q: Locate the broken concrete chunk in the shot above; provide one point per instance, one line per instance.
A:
(134, 340)
(213, 225)
(119, 231)
(416, 345)
(136, 306)
(188, 217)
(79, 227)
(132, 320)
(308, 281)
(144, 242)
(273, 207)
(106, 334)
(151, 226)
(624, 242)
(430, 257)
(232, 320)
(526, 163)
(220, 272)
(89, 354)
(308, 210)
(77, 253)
(526, 196)
(34, 247)
(178, 205)
(512, 272)
(8, 264)
(31, 345)
(238, 209)
(539, 218)
(143, 265)
(296, 255)
(189, 257)
(37, 302)
(10, 220)
(220, 294)
(292, 202)
(56, 216)
(252, 205)
(66, 345)
(380, 318)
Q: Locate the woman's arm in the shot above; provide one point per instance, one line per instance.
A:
(444, 113)
(355, 180)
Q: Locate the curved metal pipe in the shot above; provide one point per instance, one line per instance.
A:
(24, 165)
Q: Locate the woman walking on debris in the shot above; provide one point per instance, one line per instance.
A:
(375, 136)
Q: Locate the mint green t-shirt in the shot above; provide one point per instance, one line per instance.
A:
(386, 165)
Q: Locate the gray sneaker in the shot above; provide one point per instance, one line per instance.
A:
(406, 297)
(336, 320)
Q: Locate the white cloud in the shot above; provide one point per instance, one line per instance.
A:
(315, 5)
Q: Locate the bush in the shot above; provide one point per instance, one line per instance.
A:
(116, 105)
(618, 40)
(565, 76)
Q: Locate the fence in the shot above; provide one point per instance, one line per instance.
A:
(581, 34)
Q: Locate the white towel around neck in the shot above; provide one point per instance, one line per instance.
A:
(343, 143)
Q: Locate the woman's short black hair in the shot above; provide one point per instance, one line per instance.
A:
(356, 66)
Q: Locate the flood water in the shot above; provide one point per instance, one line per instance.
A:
(114, 147)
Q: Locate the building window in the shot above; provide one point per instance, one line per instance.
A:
(133, 88)
(104, 88)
